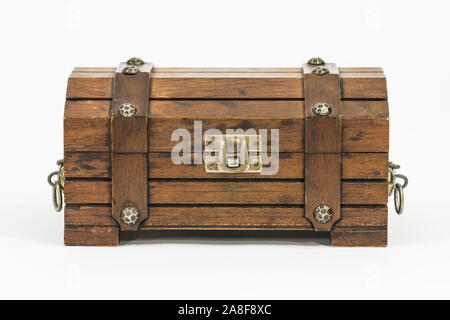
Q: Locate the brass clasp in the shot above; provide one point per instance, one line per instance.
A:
(233, 153)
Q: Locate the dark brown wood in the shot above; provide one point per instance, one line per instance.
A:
(89, 215)
(129, 134)
(323, 145)
(182, 83)
(322, 186)
(228, 217)
(129, 186)
(291, 166)
(228, 192)
(363, 216)
(365, 126)
(365, 166)
(94, 191)
(357, 237)
(162, 217)
(129, 145)
(364, 193)
(323, 135)
(91, 236)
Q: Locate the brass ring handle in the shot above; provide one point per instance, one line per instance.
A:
(396, 187)
(57, 186)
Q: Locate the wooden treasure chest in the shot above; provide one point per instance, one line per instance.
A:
(300, 149)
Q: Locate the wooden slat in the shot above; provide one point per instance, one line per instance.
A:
(98, 165)
(212, 216)
(91, 236)
(87, 128)
(365, 193)
(80, 191)
(87, 192)
(285, 83)
(201, 217)
(79, 216)
(227, 109)
(364, 217)
(290, 132)
(290, 166)
(358, 237)
(219, 192)
(361, 135)
(87, 165)
(227, 217)
(365, 165)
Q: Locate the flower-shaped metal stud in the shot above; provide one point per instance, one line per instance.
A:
(127, 110)
(131, 70)
(323, 214)
(321, 70)
(130, 215)
(135, 61)
(316, 61)
(321, 109)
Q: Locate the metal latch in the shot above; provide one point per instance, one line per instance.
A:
(233, 153)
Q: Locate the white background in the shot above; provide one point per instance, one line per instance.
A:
(41, 41)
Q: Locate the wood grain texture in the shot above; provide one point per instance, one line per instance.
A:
(238, 83)
(365, 135)
(129, 134)
(87, 165)
(322, 186)
(129, 186)
(365, 165)
(229, 192)
(291, 166)
(89, 215)
(323, 135)
(225, 217)
(323, 145)
(195, 216)
(91, 236)
(356, 237)
(363, 217)
(87, 127)
(364, 193)
(94, 191)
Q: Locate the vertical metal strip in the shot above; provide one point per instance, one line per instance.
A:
(129, 144)
(323, 144)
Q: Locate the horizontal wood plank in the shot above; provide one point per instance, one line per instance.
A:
(229, 192)
(87, 125)
(357, 237)
(247, 83)
(80, 191)
(91, 236)
(290, 166)
(363, 217)
(226, 217)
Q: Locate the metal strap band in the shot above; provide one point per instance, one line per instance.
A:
(129, 144)
(323, 145)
